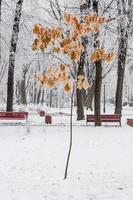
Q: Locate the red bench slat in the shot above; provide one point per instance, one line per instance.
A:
(13, 115)
(105, 118)
(130, 122)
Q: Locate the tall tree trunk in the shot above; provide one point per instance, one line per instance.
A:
(23, 92)
(18, 92)
(98, 78)
(23, 85)
(122, 53)
(80, 103)
(97, 99)
(80, 71)
(51, 98)
(14, 40)
(121, 71)
(90, 96)
(35, 93)
(0, 30)
(39, 96)
(42, 98)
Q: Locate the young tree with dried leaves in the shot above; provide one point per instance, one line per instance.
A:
(69, 46)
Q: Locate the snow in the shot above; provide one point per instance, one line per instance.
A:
(32, 163)
(33, 155)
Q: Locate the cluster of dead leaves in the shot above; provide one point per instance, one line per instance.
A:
(45, 36)
(90, 23)
(71, 44)
(54, 76)
(99, 54)
(83, 83)
(60, 75)
(71, 47)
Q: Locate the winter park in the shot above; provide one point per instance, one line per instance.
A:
(66, 100)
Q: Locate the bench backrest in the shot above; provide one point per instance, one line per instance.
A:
(19, 115)
(108, 117)
(90, 117)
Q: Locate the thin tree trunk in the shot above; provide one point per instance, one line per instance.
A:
(23, 85)
(42, 98)
(71, 135)
(51, 98)
(13, 47)
(18, 92)
(35, 93)
(39, 96)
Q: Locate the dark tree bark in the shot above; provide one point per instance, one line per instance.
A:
(0, 30)
(122, 51)
(121, 71)
(0, 9)
(80, 99)
(23, 84)
(97, 98)
(14, 40)
(31, 94)
(35, 93)
(98, 78)
(80, 102)
(51, 98)
(90, 97)
(39, 96)
(23, 92)
(18, 92)
(42, 98)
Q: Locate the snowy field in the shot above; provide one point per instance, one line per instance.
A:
(32, 164)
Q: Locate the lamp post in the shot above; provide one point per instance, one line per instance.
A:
(104, 98)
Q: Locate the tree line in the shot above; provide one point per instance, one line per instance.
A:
(124, 22)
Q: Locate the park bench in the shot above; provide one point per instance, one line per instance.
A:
(105, 118)
(14, 116)
(47, 117)
(130, 122)
(41, 113)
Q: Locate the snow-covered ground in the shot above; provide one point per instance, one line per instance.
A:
(32, 163)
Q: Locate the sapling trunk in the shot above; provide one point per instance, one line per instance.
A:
(71, 135)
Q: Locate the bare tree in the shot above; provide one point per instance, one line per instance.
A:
(12, 55)
(123, 36)
(0, 30)
(23, 84)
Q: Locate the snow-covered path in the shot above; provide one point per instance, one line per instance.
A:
(32, 165)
